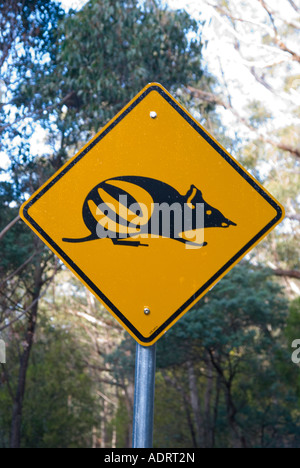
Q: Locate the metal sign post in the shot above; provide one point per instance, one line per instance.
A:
(145, 364)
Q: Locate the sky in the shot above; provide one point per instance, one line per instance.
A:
(225, 62)
(74, 4)
(219, 40)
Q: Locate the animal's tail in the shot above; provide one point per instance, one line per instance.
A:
(83, 239)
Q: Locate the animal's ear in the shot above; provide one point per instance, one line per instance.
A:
(196, 191)
(191, 193)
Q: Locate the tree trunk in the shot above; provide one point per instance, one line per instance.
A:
(287, 273)
(208, 438)
(129, 402)
(237, 437)
(9, 226)
(174, 382)
(195, 404)
(15, 440)
(216, 410)
(103, 426)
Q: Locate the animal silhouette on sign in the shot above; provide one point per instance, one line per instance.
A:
(124, 207)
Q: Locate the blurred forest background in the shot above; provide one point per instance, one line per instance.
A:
(225, 377)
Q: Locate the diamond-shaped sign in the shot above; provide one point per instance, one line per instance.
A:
(151, 213)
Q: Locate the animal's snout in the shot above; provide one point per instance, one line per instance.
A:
(228, 223)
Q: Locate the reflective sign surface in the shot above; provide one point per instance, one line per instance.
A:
(151, 213)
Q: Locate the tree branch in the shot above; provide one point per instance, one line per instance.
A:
(239, 36)
(33, 304)
(284, 47)
(19, 269)
(38, 113)
(215, 100)
(9, 226)
(6, 376)
(276, 37)
(287, 273)
(293, 4)
(293, 217)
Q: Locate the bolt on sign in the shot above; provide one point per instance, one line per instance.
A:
(151, 213)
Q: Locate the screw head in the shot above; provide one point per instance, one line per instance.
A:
(146, 310)
(153, 115)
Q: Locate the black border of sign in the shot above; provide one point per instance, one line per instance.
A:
(224, 155)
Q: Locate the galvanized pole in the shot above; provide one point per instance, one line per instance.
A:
(145, 363)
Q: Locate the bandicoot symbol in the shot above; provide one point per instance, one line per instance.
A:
(128, 207)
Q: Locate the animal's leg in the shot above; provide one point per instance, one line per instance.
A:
(194, 244)
(128, 242)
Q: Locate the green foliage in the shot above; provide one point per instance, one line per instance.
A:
(5, 414)
(235, 316)
(258, 114)
(122, 421)
(16, 245)
(170, 419)
(247, 387)
(27, 42)
(107, 52)
(32, 19)
(60, 409)
(293, 322)
(238, 329)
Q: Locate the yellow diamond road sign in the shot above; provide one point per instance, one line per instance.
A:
(151, 213)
